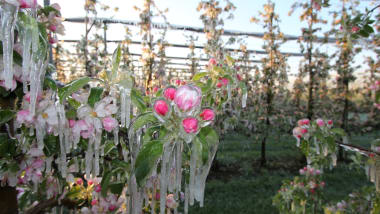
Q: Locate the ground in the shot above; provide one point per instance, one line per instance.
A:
(238, 186)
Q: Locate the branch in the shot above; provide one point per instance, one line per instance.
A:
(43, 205)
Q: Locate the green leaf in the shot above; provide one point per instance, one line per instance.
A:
(138, 100)
(95, 96)
(116, 188)
(73, 103)
(108, 147)
(199, 76)
(146, 160)
(363, 33)
(143, 119)
(71, 114)
(368, 29)
(72, 87)
(105, 182)
(7, 147)
(6, 116)
(50, 83)
(338, 131)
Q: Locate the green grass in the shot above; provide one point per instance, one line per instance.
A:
(239, 186)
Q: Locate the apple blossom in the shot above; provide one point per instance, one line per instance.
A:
(24, 116)
(187, 97)
(170, 201)
(190, 125)
(97, 188)
(109, 123)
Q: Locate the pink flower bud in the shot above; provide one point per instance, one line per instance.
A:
(304, 131)
(157, 196)
(303, 122)
(239, 77)
(212, 62)
(112, 208)
(190, 125)
(225, 81)
(302, 172)
(320, 122)
(169, 93)
(79, 181)
(219, 85)
(207, 114)
(355, 29)
(53, 28)
(94, 202)
(330, 122)
(109, 123)
(161, 107)
(71, 123)
(155, 89)
(178, 82)
(90, 182)
(98, 188)
(187, 97)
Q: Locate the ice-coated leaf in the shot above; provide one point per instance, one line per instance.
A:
(146, 160)
(199, 76)
(50, 83)
(72, 87)
(115, 64)
(95, 96)
(143, 119)
(138, 100)
(206, 137)
(6, 116)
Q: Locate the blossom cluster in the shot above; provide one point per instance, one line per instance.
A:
(302, 131)
(182, 106)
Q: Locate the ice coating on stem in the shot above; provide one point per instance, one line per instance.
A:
(193, 162)
(8, 22)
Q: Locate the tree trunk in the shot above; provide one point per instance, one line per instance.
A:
(8, 200)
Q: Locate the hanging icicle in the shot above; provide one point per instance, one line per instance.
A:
(244, 100)
(8, 22)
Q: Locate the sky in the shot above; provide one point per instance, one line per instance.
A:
(183, 12)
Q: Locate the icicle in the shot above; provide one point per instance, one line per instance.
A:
(229, 91)
(244, 100)
(89, 157)
(8, 22)
(48, 164)
(163, 177)
(125, 106)
(178, 167)
(128, 107)
(333, 158)
(40, 134)
(187, 197)
(193, 162)
(116, 135)
(98, 138)
(37, 73)
(122, 106)
(26, 58)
